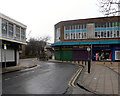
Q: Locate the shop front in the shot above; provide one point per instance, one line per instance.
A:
(102, 53)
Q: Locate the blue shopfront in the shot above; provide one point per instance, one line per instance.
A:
(106, 53)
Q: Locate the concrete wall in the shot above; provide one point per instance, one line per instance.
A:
(90, 30)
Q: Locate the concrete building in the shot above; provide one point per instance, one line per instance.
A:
(101, 35)
(12, 37)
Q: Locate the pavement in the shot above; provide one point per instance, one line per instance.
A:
(101, 80)
(20, 66)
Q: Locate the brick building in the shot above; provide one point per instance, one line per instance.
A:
(101, 35)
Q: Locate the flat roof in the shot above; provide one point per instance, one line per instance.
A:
(12, 20)
(110, 18)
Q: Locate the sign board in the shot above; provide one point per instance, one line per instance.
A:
(5, 46)
(88, 48)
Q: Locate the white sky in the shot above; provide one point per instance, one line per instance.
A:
(40, 16)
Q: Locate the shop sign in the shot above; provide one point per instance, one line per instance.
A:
(117, 47)
(5, 46)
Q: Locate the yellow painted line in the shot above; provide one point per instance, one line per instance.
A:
(73, 77)
(76, 78)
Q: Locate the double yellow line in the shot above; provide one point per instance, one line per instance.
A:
(73, 79)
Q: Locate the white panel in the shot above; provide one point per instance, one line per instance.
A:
(117, 55)
(17, 57)
(0, 27)
(90, 30)
(0, 55)
(9, 55)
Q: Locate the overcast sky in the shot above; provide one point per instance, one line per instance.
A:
(40, 16)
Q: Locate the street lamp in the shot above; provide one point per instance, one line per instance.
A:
(88, 49)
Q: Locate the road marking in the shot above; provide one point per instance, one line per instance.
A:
(7, 78)
(73, 79)
(76, 78)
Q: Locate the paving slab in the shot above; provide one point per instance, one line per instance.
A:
(101, 79)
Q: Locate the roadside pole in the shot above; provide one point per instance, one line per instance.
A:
(5, 54)
(88, 49)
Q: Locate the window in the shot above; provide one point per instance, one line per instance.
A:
(71, 35)
(74, 35)
(79, 35)
(4, 27)
(110, 33)
(23, 34)
(96, 34)
(84, 35)
(104, 33)
(10, 32)
(66, 36)
(110, 24)
(17, 32)
(117, 33)
(107, 33)
(101, 34)
(107, 24)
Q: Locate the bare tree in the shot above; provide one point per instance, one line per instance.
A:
(109, 7)
(35, 47)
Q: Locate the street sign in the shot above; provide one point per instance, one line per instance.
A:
(88, 48)
(5, 46)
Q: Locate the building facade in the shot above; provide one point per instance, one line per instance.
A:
(12, 37)
(101, 35)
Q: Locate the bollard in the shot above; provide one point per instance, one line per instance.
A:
(85, 62)
(82, 62)
(89, 66)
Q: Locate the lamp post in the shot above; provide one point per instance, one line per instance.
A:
(88, 49)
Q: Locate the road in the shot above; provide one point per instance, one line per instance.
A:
(48, 78)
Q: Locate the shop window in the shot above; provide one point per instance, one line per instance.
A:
(103, 55)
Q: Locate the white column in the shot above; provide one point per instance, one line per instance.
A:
(0, 27)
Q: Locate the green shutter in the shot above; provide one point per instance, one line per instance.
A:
(66, 55)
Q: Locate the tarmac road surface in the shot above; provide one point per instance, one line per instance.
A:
(47, 78)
